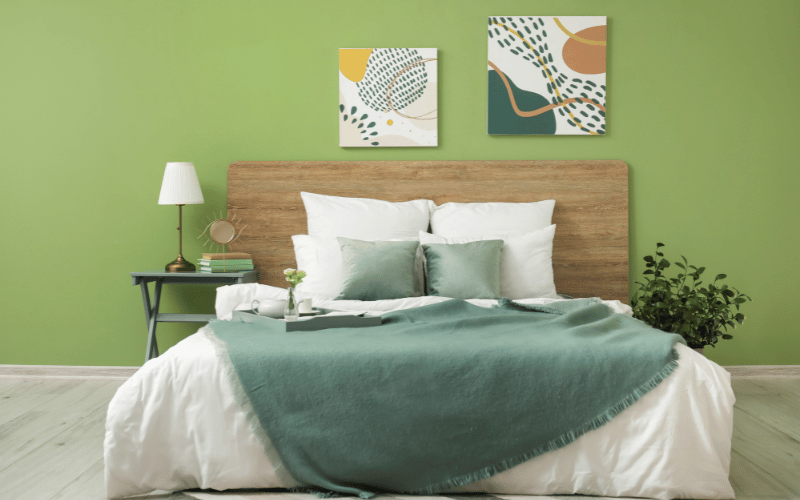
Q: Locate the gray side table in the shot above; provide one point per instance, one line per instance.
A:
(153, 317)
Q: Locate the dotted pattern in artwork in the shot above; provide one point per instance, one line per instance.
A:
(383, 67)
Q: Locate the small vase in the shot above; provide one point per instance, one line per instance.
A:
(291, 311)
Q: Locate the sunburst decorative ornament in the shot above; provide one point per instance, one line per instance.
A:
(222, 232)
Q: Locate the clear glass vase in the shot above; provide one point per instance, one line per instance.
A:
(291, 311)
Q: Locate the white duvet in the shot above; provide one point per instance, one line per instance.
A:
(176, 425)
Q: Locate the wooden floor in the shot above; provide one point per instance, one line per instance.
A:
(51, 441)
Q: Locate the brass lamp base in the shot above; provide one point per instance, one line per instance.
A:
(180, 265)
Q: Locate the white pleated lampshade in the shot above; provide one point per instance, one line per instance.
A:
(180, 185)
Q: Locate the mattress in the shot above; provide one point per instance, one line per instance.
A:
(177, 424)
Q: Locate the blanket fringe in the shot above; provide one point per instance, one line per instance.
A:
(560, 441)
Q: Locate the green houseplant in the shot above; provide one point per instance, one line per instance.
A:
(700, 314)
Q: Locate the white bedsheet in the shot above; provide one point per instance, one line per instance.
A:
(176, 425)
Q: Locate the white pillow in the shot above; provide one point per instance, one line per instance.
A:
(365, 219)
(321, 259)
(526, 262)
(453, 220)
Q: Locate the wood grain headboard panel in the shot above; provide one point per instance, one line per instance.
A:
(590, 251)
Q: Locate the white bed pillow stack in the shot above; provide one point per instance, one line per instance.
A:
(318, 253)
(526, 262)
(526, 229)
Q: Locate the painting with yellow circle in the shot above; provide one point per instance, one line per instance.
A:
(388, 98)
(547, 75)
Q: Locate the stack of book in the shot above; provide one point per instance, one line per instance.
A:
(229, 262)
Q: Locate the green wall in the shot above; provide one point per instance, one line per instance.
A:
(96, 97)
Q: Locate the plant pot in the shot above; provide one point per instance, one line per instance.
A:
(699, 349)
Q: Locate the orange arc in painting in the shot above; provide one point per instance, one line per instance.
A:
(353, 63)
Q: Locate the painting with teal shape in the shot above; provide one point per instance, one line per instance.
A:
(387, 97)
(547, 75)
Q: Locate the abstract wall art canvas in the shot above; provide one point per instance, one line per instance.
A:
(388, 98)
(547, 75)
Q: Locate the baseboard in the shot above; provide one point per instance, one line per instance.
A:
(67, 371)
(764, 371)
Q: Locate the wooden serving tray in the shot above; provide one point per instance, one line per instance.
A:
(312, 323)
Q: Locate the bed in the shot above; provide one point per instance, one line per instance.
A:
(179, 423)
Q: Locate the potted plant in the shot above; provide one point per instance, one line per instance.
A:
(700, 314)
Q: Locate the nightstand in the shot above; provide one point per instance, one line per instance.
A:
(153, 317)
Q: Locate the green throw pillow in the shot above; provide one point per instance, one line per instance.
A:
(377, 270)
(464, 271)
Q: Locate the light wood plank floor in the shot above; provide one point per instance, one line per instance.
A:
(51, 441)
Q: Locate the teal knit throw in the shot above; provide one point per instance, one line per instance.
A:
(441, 395)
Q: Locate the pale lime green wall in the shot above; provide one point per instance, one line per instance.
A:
(96, 96)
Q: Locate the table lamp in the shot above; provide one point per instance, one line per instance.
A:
(180, 187)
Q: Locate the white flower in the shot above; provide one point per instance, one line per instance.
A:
(288, 271)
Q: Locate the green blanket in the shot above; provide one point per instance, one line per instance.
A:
(442, 395)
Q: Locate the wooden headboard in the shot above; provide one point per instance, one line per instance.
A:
(590, 251)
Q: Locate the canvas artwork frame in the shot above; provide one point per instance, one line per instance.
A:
(547, 75)
(388, 97)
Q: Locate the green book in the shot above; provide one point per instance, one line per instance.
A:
(229, 269)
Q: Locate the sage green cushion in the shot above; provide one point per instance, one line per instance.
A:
(464, 271)
(377, 270)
